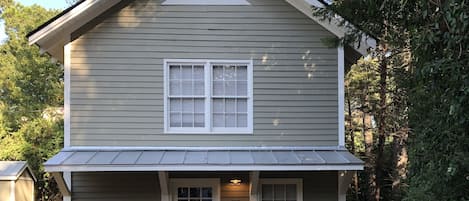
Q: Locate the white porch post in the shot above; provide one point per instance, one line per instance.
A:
(253, 185)
(164, 185)
(344, 177)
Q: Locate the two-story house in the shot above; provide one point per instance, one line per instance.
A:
(200, 100)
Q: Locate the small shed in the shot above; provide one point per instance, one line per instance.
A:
(16, 181)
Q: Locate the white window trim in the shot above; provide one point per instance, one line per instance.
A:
(297, 181)
(208, 129)
(191, 182)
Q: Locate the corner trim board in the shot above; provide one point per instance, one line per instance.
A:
(67, 68)
(12, 190)
(341, 96)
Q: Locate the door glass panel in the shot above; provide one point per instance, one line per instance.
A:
(194, 194)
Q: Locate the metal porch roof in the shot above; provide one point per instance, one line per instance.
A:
(202, 160)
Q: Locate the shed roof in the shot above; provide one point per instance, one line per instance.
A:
(12, 170)
(202, 160)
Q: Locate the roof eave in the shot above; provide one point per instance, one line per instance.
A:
(55, 33)
(305, 6)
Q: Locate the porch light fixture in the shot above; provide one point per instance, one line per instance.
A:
(235, 181)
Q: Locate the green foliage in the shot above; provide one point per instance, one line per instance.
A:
(440, 102)
(31, 95)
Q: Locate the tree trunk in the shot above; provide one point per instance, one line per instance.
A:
(381, 120)
(352, 143)
(400, 160)
(369, 161)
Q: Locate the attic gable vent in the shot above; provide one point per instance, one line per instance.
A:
(206, 2)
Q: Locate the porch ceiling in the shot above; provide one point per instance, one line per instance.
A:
(202, 160)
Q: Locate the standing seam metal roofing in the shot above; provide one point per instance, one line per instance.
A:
(148, 160)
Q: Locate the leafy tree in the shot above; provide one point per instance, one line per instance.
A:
(439, 110)
(382, 95)
(423, 60)
(31, 95)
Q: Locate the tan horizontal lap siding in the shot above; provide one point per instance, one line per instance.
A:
(117, 74)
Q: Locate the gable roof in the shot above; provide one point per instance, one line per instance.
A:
(12, 170)
(55, 33)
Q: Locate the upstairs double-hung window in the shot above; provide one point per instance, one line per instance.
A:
(208, 96)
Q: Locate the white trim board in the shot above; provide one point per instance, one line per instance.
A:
(206, 2)
(67, 69)
(341, 96)
(117, 148)
(124, 168)
(12, 191)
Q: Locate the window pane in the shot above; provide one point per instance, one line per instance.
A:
(199, 120)
(242, 120)
(230, 120)
(187, 120)
(230, 88)
(188, 105)
(175, 105)
(218, 88)
(242, 105)
(198, 72)
(183, 192)
(187, 88)
(199, 105)
(175, 87)
(187, 72)
(207, 192)
(194, 192)
(218, 120)
(291, 191)
(230, 105)
(174, 72)
(175, 119)
(242, 73)
(218, 105)
(241, 88)
(279, 192)
(217, 72)
(199, 89)
(267, 192)
(230, 73)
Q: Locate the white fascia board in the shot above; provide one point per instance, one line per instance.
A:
(71, 18)
(206, 2)
(145, 168)
(305, 6)
(117, 148)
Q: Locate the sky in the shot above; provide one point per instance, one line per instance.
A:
(57, 4)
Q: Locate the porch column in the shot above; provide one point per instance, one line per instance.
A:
(344, 177)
